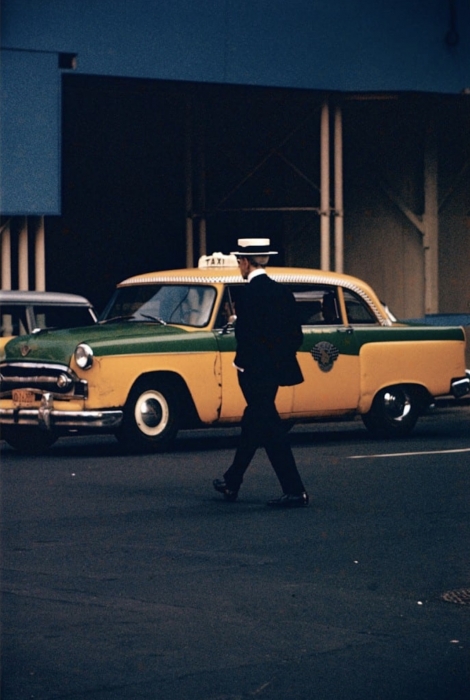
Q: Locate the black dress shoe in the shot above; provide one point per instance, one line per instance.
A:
(221, 487)
(288, 500)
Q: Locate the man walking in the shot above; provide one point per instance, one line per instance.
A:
(268, 336)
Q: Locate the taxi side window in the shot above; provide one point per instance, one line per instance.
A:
(197, 306)
(317, 305)
(357, 310)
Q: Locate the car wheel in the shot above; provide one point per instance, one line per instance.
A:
(28, 440)
(394, 412)
(151, 416)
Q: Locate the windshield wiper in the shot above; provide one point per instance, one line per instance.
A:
(114, 319)
(144, 317)
(153, 318)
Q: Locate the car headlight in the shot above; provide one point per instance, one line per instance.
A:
(84, 356)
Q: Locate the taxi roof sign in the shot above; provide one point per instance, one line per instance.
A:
(217, 260)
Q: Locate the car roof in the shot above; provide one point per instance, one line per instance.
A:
(21, 297)
(230, 274)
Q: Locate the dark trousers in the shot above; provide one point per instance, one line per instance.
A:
(262, 427)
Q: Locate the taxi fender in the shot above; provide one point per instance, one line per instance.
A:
(112, 377)
(430, 365)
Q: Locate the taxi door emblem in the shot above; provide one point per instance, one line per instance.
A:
(24, 350)
(325, 354)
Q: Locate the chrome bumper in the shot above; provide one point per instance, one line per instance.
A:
(46, 417)
(461, 387)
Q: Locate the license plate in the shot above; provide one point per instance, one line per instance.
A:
(23, 397)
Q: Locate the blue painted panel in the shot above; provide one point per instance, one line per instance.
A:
(29, 135)
(346, 45)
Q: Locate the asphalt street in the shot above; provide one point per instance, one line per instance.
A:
(129, 578)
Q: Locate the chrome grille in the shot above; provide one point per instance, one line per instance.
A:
(56, 378)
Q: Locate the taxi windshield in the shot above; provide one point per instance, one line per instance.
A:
(180, 304)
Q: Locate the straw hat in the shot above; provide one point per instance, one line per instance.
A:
(253, 246)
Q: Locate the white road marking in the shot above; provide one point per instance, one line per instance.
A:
(410, 454)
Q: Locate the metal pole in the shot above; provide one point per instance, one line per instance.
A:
(23, 274)
(201, 175)
(431, 225)
(40, 255)
(6, 256)
(339, 212)
(189, 189)
(202, 236)
(325, 188)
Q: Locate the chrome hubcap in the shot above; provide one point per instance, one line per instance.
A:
(152, 413)
(397, 405)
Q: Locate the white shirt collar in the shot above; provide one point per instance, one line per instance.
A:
(255, 273)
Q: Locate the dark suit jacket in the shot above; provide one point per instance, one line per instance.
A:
(268, 332)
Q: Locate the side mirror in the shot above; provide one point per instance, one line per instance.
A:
(230, 326)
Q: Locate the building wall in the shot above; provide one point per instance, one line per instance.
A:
(249, 71)
(124, 183)
(30, 133)
(347, 45)
(361, 46)
(454, 257)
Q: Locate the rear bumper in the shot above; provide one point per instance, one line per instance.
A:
(461, 387)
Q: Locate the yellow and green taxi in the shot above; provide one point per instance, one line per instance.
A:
(161, 359)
